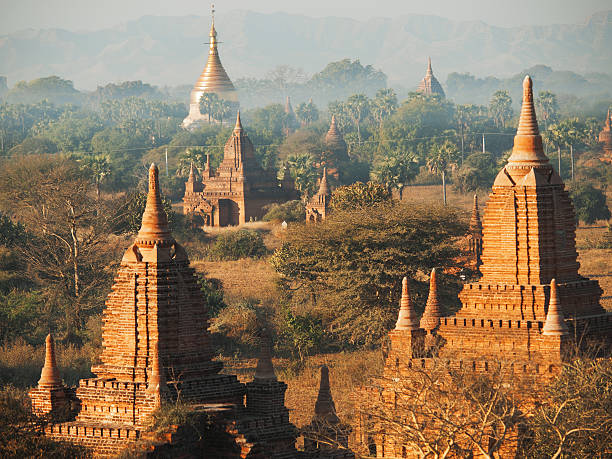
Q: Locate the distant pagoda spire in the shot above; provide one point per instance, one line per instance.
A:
(433, 311)
(238, 126)
(555, 321)
(430, 85)
(49, 376)
(407, 318)
(288, 107)
(192, 174)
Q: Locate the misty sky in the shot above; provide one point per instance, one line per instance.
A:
(92, 15)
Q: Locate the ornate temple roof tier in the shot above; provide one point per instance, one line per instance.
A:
(429, 84)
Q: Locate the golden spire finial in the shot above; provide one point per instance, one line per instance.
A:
(528, 150)
(154, 228)
(406, 319)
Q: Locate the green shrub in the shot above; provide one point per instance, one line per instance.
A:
(589, 203)
(233, 245)
(213, 293)
(291, 211)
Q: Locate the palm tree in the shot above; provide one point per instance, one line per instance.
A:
(500, 108)
(207, 103)
(547, 106)
(302, 169)
(187, 158)
(441, 156)
(100, 168)
(384, 105)
(307, 113)
(358, 108)
(396, 170)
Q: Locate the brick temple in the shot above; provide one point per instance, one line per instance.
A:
(530, 308)
(430, 85)
(155, 349)
(238, 190)
(317, 208)
(213, 79)
(605, 139)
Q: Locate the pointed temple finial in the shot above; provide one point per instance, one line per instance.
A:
(49, 376)
(475, 223)
(528, 150)
(265, 367)
(288, 107)
(154, 228)
(429, 69)
(191, 173)
(433, 312)
(407, 318)
(238, 126)
(323, 186)
(207, 167)
(555, 321)
(325, 408)
(607, 125)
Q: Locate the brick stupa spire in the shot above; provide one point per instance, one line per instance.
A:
(265, 367)
(325, 409)
(555, 322)
(407, 318)
(49, 395)
(431, 317)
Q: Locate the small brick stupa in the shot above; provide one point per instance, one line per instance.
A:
(530, 308)
(317, 207)
(238, 190)
(156, 348)
(430, 85)
(605, 139)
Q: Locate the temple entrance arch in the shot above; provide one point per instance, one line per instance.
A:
(229, 213)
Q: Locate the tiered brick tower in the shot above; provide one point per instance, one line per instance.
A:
(529, 309)
(605, 138)
(155, 347)
(238, 190)
(318, 206)
(430, 85)
(326, 437)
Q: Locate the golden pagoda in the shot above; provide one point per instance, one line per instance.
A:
(213, 79)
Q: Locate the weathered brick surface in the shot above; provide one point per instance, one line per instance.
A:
(156, 348)
(317, 207)
(528, 242)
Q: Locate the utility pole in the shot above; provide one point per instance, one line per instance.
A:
(483, 143)
(559, 152)
(166, 161)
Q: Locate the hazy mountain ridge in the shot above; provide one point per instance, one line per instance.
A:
(171, 50)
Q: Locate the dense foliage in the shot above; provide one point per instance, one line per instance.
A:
(350, 266)
(233, 245)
